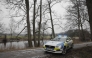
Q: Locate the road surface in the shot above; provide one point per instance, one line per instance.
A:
(35, 53)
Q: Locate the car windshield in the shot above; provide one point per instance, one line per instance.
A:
(59, 39)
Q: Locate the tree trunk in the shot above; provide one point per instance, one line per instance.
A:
(78, 11)
(28, 23)
(34, 35)
(53, 33)
(89, 6)
(82, 33)
(43, 36)
(40, 23)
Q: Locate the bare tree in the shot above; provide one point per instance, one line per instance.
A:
(20, 8)
(49, 2)
(89, 6)
(28, 23)
(77, 16)
(39, 35)
(34, 13)
(12, 27)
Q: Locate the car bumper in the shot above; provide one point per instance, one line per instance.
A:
(53, 51)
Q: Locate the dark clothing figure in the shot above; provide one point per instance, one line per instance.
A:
(4, 41)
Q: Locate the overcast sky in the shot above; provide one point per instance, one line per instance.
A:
(59, 9)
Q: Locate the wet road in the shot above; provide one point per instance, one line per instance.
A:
(36, 53)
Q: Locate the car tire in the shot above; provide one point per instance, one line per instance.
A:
(64, 51)
(45, 52)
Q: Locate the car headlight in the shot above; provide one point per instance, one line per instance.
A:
(58, 46)
(44, 46)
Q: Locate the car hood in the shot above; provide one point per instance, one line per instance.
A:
(53, 43)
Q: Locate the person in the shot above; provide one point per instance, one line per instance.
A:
(5, 40)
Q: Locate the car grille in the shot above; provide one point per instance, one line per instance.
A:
(48, 47)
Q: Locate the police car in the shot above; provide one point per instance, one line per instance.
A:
(59, 44)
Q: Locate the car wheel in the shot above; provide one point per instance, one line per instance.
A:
(64, 51)
(45, 52)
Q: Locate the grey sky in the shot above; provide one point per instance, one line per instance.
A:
(59, 9)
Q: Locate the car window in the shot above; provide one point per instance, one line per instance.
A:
(59, 39)
(70, 38)
(67, 39)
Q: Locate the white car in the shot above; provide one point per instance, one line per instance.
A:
(58, 45)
